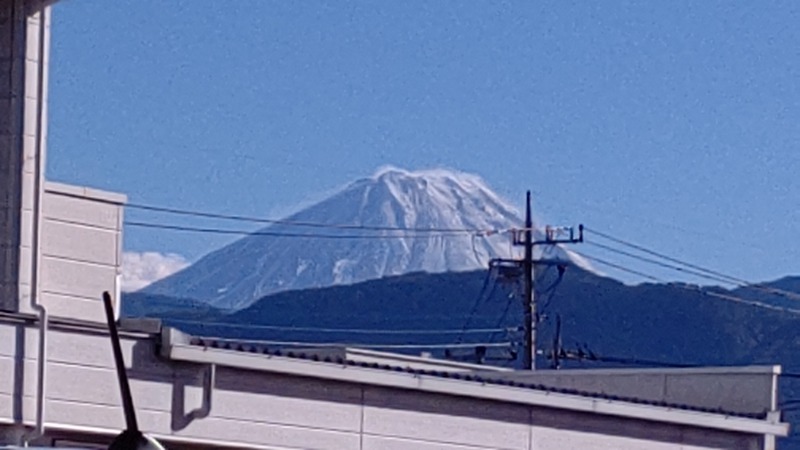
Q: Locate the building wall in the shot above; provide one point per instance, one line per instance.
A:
(733, 389)
(81, 250)
(23, 84)
(260, 410)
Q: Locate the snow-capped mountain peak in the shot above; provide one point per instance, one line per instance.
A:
(394, 222)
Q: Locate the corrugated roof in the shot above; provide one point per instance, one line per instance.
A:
(462, 376)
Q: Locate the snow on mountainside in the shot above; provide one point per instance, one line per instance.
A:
(359, 243)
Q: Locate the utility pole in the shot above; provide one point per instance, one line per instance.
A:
(529, 358)
(527, 263)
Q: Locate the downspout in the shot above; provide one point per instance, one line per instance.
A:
(170, 336)
(37, 235)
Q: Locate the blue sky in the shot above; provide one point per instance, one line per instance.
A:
(672, 124)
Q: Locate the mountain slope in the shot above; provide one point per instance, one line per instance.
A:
(363, 239)
(654, 322)
(663, 322)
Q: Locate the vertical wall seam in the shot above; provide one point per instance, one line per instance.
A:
(530, 428)
(361, 428)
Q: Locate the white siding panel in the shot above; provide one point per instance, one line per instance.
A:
(93, 385)
(277, 435)
(209, 428)
(26, 228)
(6, 376)
(92, 350)
(289, 400)
(79, 242)
(77, 307)
(80, 210)
(389, 443)
(220, 430)
(566, 439)
(8, 340)
(99, 386)
(6, 407)
(77, 279)
(447, 420)
(81, 349)
(81, 248)
(89, 397)
(25, 269)
(81, 369)
(700, 439)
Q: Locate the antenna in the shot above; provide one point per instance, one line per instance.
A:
(131, 438)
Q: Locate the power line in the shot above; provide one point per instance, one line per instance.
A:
(707, 293)
(338, 330)
(732, 280)
(585, 355)
(663, 256)
(251, 219)
(745, 301)
(665, 225)
(504, 316)
(661, 264)
(618, 267)
(225, 231)
(485, 292)
(588, 355)
(361, 345)
(550, 290)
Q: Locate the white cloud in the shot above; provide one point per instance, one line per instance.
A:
(141, 269)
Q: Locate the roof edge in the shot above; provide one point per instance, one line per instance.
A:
(775, 369)
(426, 383)
(71, 190)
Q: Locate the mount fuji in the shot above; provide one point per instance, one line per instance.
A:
(392, 223)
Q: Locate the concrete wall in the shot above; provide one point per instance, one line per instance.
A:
(752, 389)
(261, 410)
(23, 84)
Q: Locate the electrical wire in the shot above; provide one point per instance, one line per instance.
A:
(224, 231)
(251, 219)
(550, 291)
(356, 344)
(503, 318)
(735, 299)
(582, 355)
(697, 289)
(661, 264)
(485, 292)
(732, 280)
(336, 330)
(659, 255)
(618, 267)
(665, 225)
